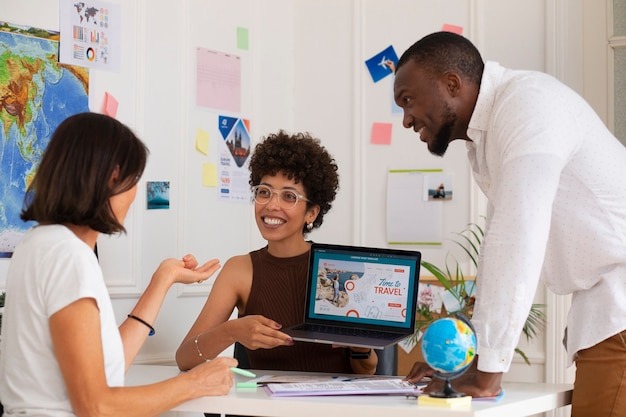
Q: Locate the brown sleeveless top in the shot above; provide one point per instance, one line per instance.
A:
(278, 292)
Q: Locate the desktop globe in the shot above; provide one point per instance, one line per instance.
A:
(449, 347)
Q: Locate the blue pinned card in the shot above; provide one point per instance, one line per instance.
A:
(382, 64)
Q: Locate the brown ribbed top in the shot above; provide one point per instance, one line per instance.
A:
(278, 292)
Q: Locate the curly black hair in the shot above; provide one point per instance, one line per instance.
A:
(302, 158)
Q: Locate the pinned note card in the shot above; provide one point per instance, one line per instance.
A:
(382, 64)
(158, 195)
(202, 141)
(209, 175)
(109, 105)
(242, 38)
(395, 109)
(452, 28)
(405, 204)
(218, 80)
(381, 133)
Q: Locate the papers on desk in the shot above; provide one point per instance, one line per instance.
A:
(344, 386)
(296, 378)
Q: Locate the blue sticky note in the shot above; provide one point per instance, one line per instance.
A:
(379, 65)
(395, 109)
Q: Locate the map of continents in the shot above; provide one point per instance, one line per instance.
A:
(36, 94)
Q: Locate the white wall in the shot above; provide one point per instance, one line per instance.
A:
(304, 71)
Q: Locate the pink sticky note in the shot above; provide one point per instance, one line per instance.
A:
(381, 133)
(452, 28)
(110, 105)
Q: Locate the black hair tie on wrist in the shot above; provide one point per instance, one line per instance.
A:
(152, 331)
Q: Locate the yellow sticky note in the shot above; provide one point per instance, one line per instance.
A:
(202, 141)
(209, 175)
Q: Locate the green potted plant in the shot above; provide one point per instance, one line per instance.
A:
(461, 288)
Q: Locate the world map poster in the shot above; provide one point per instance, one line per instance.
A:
(36, 95)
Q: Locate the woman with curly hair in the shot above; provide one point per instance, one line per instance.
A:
(294, 182)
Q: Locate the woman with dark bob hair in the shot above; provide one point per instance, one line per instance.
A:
(294, 181)
(62, 351)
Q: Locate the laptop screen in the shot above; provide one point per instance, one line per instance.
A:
(363, 287)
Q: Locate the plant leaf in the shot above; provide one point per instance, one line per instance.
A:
(453, 280)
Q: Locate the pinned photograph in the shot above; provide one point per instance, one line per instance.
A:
(158, 195)
(438, 187)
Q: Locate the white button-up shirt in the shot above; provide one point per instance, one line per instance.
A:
(555, 178)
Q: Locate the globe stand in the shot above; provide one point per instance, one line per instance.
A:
(448, 391)
(448, 397)
(443, 340)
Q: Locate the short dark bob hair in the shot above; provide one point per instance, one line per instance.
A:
(302, 158)
(73, 183)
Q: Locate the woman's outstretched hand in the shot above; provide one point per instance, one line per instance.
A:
(186, 270)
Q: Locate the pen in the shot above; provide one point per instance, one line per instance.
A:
(242, 372)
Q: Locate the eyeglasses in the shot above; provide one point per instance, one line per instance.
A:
(287, 199)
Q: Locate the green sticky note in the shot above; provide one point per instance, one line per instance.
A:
(242, 38)
(246, 385)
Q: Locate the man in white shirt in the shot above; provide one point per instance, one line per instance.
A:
(555, 178)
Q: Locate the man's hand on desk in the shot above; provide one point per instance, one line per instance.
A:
(419, 371)
(474, 382)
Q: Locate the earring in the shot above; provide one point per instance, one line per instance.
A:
(309, 226)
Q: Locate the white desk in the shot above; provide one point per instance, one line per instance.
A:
(520, 399)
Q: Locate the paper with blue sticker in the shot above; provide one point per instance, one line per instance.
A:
(382, 64)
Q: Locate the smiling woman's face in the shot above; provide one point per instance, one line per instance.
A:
(277, 223)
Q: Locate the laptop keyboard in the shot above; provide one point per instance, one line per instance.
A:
(370, 334)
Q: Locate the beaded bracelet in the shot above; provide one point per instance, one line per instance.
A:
(198, 348)
(152, 331)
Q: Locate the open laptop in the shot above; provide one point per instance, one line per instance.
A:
(376, 300)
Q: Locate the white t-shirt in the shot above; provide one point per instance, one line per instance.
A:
(50, 269)
(555, 178)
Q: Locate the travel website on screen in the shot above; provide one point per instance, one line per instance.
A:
(362, 290)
